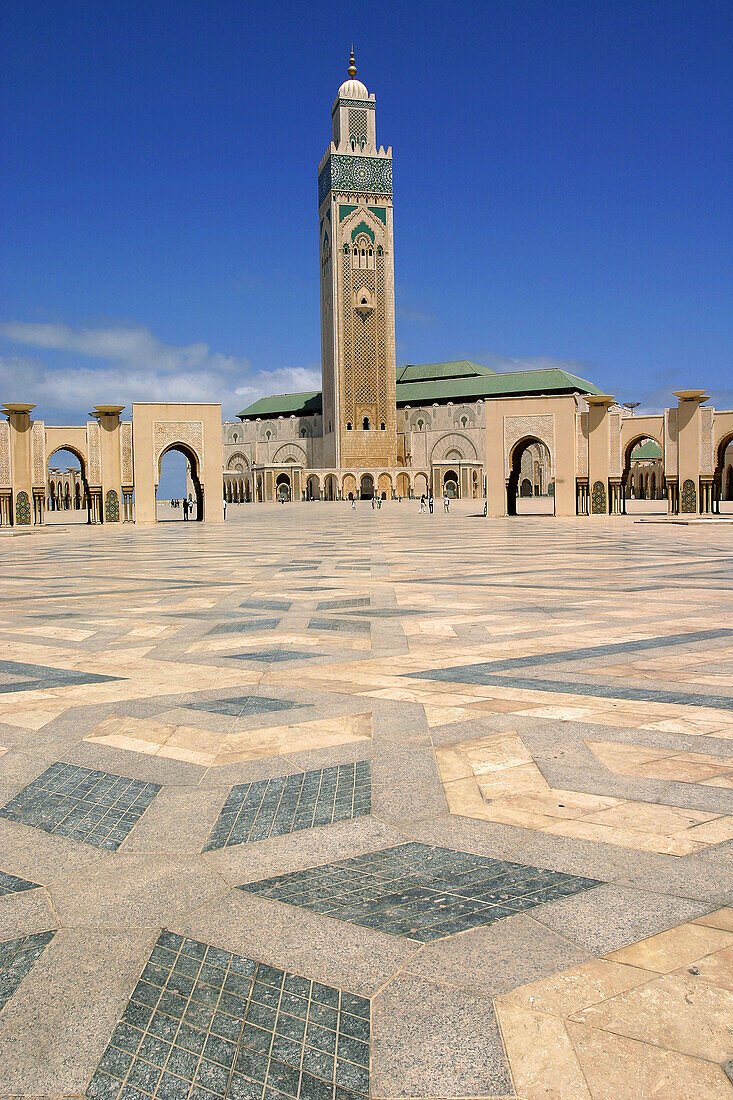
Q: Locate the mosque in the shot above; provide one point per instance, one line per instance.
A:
(373, 429)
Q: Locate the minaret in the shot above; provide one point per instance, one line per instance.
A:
(357, 287)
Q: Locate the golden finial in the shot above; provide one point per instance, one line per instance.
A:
(352, 62)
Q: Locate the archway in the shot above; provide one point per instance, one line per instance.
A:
(68, 499)
(179, 480)
(525, 487)
(530, 460)
(330, 487)
(349, 487)
(642, 478)
(313, 488)
(421, 485)
(283, 489)
(384, 486)
(723, 476)
(450, 484)
(367, 487)
(403, 485)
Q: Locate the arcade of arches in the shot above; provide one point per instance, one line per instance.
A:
(106, 470)
(563, 455)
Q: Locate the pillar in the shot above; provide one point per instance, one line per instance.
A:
(688, 450)
(21, 463)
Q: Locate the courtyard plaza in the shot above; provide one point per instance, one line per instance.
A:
(342, 804)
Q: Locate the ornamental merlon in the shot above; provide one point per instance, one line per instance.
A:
(369, 104)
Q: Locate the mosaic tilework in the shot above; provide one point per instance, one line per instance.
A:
(288, 804)
(205, 1024)
(268, 605)
(98, 808)
(244, 626)
(419, 891)
(239, 706)
(268, 656)
(348, 626)
(16, 960)
(335, 605)
(11, 884)
(16, 676)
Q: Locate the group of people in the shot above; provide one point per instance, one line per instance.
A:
(186, 504)
(427, 504)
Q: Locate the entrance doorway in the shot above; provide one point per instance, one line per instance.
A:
(367, 487)
(283, 490)
(67, 492)
(179, 495)
(530, 489)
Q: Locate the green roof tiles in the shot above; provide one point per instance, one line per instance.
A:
(423, 384)
(426, 372)
(284, 404)
(647, 449)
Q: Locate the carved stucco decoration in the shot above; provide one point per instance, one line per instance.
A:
(614, 444)
(290, 453)
(38, 448)
(126, 452)
(581, 443)
(167, 432)
(94, 450)
(454, 441)
(670, 443)
(4, 454)
(541, 426)
(707, 455)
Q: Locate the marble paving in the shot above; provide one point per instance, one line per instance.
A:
(325, 805)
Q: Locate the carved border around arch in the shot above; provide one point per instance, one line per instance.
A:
(540, 426)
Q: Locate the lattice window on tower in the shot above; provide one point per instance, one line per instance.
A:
(357, 127)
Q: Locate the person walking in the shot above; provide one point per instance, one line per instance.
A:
(431, 503)
(422, 505)
(446, 504)
(185, 507)
(225, 507)
(353, 504)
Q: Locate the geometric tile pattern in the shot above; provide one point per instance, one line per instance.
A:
(16, 959)
(418, 891)
(238, 706)
(244, 626)
(15, 676)
(275, 807)
(268, 656)
(206, 1024)
(10, 884)
(495, 778)
(98, 808)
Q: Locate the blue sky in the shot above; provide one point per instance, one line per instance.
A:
(563, 192)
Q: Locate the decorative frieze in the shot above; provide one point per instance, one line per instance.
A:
(167, 432)
(707, 455)
(5, 480)
(540, 426)
(126, 452)
(581, 444)
(614, 444)
(38, 450)
(670, 442)
(94, 473)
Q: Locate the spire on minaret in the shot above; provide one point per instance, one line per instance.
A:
(352, 62)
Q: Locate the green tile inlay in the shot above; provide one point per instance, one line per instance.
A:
(206, 1024)
(419, 891)
(289, 803)
(98, 808)
(16, 960)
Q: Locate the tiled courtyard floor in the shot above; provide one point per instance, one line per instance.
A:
(327, 806)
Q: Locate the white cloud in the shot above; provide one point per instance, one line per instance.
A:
(133, 365)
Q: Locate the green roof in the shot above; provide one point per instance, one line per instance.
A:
(513, 384)
(439, 382)
(433, 372)
(284, 404)
(647, 449)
